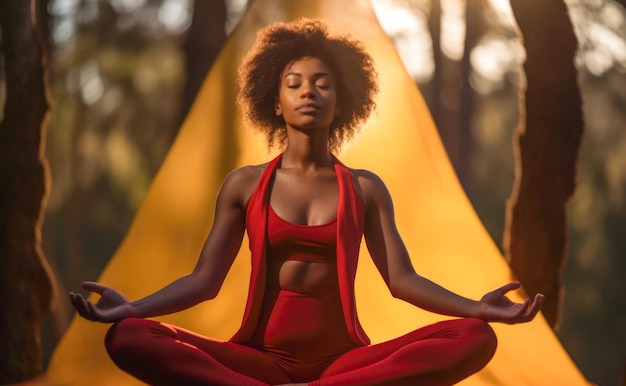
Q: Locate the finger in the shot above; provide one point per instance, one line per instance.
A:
(536, 306)
(521, 313)
(509, 287)
(94, 287)
(74, 298)
(526, 306)
(93, 313)
(533, 308)
(80, 304)
(85, 307)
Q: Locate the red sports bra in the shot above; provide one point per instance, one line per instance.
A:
(289, 241)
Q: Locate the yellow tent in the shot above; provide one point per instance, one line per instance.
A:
(445, 237)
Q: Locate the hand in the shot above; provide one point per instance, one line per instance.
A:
(111, 307)
(496, 307)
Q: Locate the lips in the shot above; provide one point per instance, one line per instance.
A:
(308, 107)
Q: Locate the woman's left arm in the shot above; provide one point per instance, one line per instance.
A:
(392, 260)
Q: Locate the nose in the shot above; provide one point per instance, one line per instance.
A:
(308, 91)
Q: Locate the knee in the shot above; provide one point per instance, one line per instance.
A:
(482, 336)
(124, 338)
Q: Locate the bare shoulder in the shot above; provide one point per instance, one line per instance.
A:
(367, 177)
(241, 182)
(245, 175)
(370, 186)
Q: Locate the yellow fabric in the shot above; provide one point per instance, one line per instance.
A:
(446, 239)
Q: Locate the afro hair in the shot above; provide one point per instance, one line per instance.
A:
(280, 44)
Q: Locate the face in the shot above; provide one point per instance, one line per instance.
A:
(307, 97)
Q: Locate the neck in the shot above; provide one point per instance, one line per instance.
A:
(305, 151)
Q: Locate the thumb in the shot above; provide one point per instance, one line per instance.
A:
(94, 287)
(509, 287)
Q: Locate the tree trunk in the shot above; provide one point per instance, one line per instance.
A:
(26, 289)
(445, 101)
(546, 145)
(474, 30)
(205, 38)
(434, 27)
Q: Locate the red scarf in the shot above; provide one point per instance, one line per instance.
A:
(350, 222)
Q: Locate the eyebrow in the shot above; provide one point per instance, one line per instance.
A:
(316, 75)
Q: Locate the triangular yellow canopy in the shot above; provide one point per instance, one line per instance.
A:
(446, 239)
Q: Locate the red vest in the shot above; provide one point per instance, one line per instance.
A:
(350, 220)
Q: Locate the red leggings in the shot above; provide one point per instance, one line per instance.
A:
(439, 354)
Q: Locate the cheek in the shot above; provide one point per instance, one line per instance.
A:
(279, 103)
(335, 102)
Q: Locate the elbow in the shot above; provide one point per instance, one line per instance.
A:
(397, 294)
(399, 286)
(207, 288)
(209, 295)
(209, 291)
(396, 289)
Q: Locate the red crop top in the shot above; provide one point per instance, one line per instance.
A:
(312, 243)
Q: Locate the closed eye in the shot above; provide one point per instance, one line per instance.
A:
(324, 82)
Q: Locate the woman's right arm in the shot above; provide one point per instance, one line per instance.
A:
(203, 283)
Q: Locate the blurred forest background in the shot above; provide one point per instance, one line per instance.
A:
(122, 74)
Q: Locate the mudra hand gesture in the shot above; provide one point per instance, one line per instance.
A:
(496, 307)
(111, 307)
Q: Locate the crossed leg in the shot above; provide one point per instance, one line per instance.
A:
(162, 354)
(439, 354)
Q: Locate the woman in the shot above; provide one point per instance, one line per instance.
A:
(309, 90)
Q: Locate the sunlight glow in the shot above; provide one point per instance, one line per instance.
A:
(612, 16)
(234, 11)
(64, 30)
(175, 15)
(91, 84)
(92, 90)
(127, 6)
(453, 28)
(408, 31)
(492, 59)
(503, 12)
(601, 35)
(614, 43)
(63, 7)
